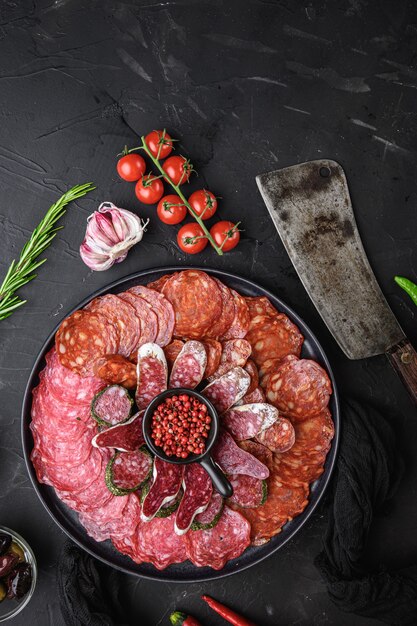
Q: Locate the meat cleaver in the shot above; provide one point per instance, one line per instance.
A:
(311, 208)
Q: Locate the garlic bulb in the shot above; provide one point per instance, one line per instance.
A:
(110, 234)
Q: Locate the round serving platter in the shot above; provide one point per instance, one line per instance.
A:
(67, 519)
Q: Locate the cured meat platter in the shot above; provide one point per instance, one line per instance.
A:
(278, 438)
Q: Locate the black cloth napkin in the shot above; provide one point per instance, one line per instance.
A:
(368, 471)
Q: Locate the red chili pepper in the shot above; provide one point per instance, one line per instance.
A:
(181, 619)
(227, 614)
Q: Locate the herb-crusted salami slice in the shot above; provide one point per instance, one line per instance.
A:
(235, 353)
(127, 471)
(198, 490)
(111, 406)
(166, 483)
(249, 420)
(190, 364)
(126, 437)
(225, 391)
(211, 515)
(233, 460)
(114, 369)
(162, 309)
(248, 492)
(279, 437)
(122, 315)
(152, 373)
(214, 352)
(240, 323)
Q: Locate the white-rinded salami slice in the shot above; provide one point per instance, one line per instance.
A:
(189, 366)
(248, 420)
(235, 353)
(125, 437)
(166, 483)
(279, 437)
(234, 460)
(198, 489)
(152, 374)
(228, 389)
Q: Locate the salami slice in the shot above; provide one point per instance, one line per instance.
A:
(172, 350)
(68, 452)
(109, 519)
(260, 305)
(127, 471)
(240, 324)
(160, 282)
(84, 337)
(222, 324)
(251, 368)
(211, 515)
(68, 386)
(162, 309)
(248, 492)
(198, 490)
(114, 369)
(225, 391)
(126, 437)
(249, 420)
(58, 475)
(235, 353)
(157, 543)
(190, 364)
(111, 406)
(273, 338)
(233, 460)
(197, 302)
(122, 315)
(214, 353)
(209, 548)
(152, 374)
(300, 388)
(147, 317)
(166, 483)
(257, 395)
(279, 437)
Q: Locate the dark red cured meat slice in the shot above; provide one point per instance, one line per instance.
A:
(122, 315)
(240, 324)
(162, 309)
(130, 469)
(249, 420)
(67, 386)
(222, 324)
(114, 369)
(251, 368)
(209, 547)
(215, 506)
(233, 460)
(126, 437)
(84, 337)
(166, 483)
(248, 492)
(172, 350)
(279, 437)
(152, 374)
(260, 305)
(235, 353)
(225, 391)
(257, 395)
(273, 338)
(157, 543)
(147, 317)
(214, 353)
(198, 490)
(197, 302)
(190, 364)
(160, 282)
(299, 388)
(112, 405)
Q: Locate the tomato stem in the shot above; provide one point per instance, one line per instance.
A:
(180, 194)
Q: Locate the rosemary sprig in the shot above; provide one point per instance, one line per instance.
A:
(22, 271)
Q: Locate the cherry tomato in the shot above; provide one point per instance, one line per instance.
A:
(225, 234)
(159, 143)
(191, 238)
(204, 203)
(178, 169)
(171, 210)
(149, 189)
(131, 167)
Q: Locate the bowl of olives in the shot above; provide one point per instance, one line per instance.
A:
(17, 573)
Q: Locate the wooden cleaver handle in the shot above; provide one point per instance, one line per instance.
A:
(403, 358)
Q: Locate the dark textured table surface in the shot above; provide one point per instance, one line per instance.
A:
(248, 86)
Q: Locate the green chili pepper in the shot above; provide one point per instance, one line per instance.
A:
(408, 286)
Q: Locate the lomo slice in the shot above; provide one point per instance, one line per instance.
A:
(198, 490)
(166, 483)
(152, 374)
(190, 364)
(126, 437)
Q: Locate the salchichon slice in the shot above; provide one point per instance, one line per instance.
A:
(210, 517)
(127, 471)
(152, 374)
(234, 460)
(125, 437)
(248, 492)
(248, 420)
(111, 406)
(198, 490)
(224, 392)
(189, 366)
(166, 483)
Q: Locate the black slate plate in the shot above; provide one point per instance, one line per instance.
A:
(67, 520)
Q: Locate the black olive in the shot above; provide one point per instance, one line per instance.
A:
(19, 581)
(5, 542)
(7, 563)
